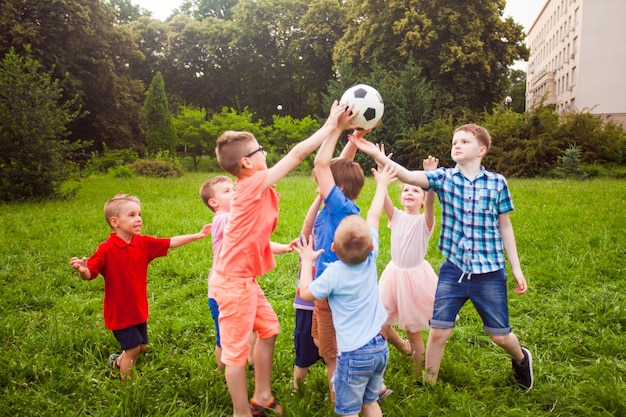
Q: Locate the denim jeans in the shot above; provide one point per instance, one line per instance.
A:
(358, 377)
(488, 293)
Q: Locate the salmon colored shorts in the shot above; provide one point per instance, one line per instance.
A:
(243, 308)
(323, 330)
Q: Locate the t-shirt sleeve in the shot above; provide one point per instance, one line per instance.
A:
(505, 202)
(320, 288)
(435, 178)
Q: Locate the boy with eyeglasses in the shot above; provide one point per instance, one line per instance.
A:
(246, 254)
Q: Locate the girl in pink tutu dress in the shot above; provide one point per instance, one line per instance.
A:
(408, 283)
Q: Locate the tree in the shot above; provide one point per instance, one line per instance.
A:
(160, 136)
(35, 158)
(126, 11)
(201, 9)
(463, 47)
(151, 37)
(517, 90)
(193, 133)
(82, 38)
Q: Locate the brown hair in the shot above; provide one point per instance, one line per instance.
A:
(349, 176)
(207, 190)
(353, 240)
(231, 147)
(113, 207)
(481, 134)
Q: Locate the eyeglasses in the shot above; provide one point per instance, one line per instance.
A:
(260, 149)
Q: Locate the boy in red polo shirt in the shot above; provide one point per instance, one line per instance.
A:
(123, 261)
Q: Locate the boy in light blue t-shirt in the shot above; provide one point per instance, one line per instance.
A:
(351, 285)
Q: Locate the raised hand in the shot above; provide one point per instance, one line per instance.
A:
(430, 163)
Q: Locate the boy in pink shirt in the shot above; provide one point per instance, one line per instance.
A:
(246, 254)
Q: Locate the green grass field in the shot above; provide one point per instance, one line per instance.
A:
(571, 238)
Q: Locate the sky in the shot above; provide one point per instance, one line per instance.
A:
(522, 11)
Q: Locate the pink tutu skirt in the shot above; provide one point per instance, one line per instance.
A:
(408, 295)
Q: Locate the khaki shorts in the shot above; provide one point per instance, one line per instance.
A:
(323, 330)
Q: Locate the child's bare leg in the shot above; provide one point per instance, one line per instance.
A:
(331, 365)
(510, 344)
(238, 389)
(395, 339)
(435, 348)
(263, 359)
(253, 338)
(128, 359)
(371, 410)
(417, 351)
(218, 358)
(299, 375)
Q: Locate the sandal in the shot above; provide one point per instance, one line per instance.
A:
(384, 393)
(113, 365)
(259, 410)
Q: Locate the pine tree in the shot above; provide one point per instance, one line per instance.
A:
(160, 134)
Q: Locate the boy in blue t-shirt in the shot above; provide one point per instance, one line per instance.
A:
(351, 286)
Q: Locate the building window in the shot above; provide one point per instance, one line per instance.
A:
(574, 76)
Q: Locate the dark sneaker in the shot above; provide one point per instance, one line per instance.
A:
(273, 407)
(524, 371)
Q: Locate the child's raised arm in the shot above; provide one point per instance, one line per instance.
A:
(430, 164)
(384, 177)
(323, 174)
(309, 219)
(409, 177)
(335, 124)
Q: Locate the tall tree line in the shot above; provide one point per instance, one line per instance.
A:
(255, 55)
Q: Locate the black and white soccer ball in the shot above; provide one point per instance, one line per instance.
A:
(368, 101)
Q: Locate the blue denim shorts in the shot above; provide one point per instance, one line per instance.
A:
(488, 293)
(358, 377)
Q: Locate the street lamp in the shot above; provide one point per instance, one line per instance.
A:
(508, 100)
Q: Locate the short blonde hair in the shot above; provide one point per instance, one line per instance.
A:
(480, 133)
(113, 207)
(353, 240)
(207, 190)
(231, 147)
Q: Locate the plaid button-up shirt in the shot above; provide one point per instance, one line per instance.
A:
(470, 234)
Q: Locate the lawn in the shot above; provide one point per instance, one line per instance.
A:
(571, 236)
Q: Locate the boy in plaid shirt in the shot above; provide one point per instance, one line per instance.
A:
(476, 230)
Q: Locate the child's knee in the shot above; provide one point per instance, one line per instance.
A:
(439, 335)
(500, 339)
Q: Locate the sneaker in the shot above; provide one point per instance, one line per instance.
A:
(113, 361)
(524, 370)
(259, 410)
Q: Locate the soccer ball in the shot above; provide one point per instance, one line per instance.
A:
(368, 101)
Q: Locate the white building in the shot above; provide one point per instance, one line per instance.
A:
(578, 57)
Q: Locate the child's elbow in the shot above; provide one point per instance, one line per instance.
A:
(307, 296)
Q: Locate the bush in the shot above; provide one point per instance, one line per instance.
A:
(155, 168)
(122, 171)
(111, 158)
